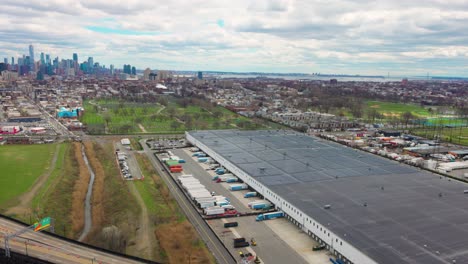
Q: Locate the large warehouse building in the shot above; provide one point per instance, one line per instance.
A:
(365, 208)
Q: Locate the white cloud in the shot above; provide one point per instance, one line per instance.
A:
(264, 35)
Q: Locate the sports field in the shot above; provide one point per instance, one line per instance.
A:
(21, 166)
(456, 135)
(388, 109)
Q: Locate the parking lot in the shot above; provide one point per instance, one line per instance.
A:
(130, 170)
(270, 248)
(161, 143)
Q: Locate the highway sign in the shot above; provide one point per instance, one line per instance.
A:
(43, 224)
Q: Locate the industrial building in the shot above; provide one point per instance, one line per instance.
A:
(365, 208)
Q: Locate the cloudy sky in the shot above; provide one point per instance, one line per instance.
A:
(400, 37)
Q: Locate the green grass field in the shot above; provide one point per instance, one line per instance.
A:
(456, 135)
(445, 121)
(58, 171)
(21, 166)
(115, 117)
(396, 109)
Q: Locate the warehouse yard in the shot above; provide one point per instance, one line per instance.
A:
(271, 248)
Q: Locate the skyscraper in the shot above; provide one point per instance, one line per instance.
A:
(42, 58)
(47, 57)
(31, 56)
(133, 70)
(90, 64)
(5, 60)
(200, 75)
(12, 60)
(75, 57)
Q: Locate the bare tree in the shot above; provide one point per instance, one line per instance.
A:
(407, 116)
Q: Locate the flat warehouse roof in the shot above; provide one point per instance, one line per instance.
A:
(412, 216)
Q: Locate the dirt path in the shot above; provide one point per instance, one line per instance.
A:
(142, 128)
(25, 199)
(144, 234)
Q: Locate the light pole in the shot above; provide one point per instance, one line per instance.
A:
(26, 246)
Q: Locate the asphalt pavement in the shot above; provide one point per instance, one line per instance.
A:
(216, 247)
(270, 248)
(43, 246)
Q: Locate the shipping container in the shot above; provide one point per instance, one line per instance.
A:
(232, 179)
(250, 194)
(231, 224)
(238, 187)
(239, 239)
(241, 244)
(214, 210)
(176, 170)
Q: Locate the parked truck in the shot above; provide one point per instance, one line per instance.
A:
(250, 194)
(204, 205)
(269, 216)
(261, 206)
(238, 187)
(232, 179)
(221, 203)
(215, 210)
(175, 170)
(202, 160)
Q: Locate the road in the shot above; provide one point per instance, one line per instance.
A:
(214, 245)
(55, 250)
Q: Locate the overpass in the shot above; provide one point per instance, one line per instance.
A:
(55, 249)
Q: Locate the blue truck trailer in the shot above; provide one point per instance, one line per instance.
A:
(269, 216)
(250, 194)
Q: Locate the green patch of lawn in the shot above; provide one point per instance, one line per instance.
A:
(396, 109)
(156, 194)
(125, 117)
(456, 135)
(21, 166)
(58, 170)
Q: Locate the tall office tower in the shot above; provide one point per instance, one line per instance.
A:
(56, 63)
(5, 60)
(90, 64)
(42, 58)
(75, 57)
(112, 69)
(47, 58)
(12, 60)
(31, 56)
(133, 70)
(200, 75)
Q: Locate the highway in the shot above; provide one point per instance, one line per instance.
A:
(46, 247)
(214, 245)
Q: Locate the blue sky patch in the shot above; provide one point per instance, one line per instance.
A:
(108, 30)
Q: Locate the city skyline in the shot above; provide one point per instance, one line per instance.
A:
(340, 37)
